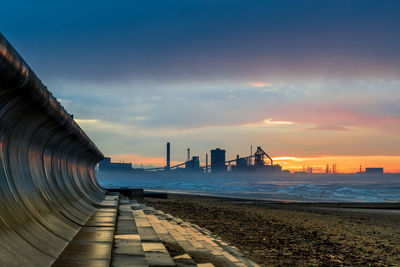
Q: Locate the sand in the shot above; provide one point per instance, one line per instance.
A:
(295, 234)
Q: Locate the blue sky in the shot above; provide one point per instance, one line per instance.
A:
(300, 78)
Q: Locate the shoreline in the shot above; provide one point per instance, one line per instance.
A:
(296, 234)
(328, 204)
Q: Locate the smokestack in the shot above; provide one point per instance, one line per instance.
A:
(206, 163)
(188, 154)
(168, 156)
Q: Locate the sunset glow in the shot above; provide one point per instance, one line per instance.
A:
(344, 164)
(216, 82)
(260, 84)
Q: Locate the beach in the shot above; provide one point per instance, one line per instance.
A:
(296, 234)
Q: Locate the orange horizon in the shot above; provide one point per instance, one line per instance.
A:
(344, 164)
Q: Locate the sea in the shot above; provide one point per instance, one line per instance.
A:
(288, 188)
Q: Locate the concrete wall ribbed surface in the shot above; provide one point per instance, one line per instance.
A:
(48, 187)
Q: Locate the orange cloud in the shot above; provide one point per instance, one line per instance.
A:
(260, 84)
(332, 117)
(268, 122)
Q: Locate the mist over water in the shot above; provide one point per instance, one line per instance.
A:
(310, 187)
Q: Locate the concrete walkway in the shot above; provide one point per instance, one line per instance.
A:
(123, 232)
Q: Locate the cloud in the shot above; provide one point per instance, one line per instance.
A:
(136, 74)
(329, 128)
(260, 84)
(198, 40)
(86, 121)
(269, 123)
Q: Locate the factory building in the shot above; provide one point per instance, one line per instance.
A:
(107, 165)
(218, 160)
(241, 163)
(220, 164)
(272, 168)
(374, 170)
(193, 164)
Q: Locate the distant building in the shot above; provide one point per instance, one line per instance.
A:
(374, 170)
(241, 163)
(193, 164)
(168, 166)
(107, 165)
(218, 160)
(272, 168)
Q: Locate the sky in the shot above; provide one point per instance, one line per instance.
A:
(312, 82)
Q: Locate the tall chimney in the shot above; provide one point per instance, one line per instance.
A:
(206, 163)
(168, 157)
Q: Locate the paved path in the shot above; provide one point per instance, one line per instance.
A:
(123, 232)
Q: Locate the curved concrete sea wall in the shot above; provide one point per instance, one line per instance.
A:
(48, 187)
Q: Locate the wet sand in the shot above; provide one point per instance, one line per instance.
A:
(297, 234)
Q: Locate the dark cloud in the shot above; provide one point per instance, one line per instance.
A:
(103, 40)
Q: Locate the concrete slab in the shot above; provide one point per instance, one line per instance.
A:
(181, 230)
(101, 222)
(93, 251)
(111, 210)
(186, 246)
(111, 197)
(129, 261)
(108, 204)
(125, 207)
(142, 221)
(126, 227)
(83, 263)
(152, 218)
(159, 228)
(167, 238)
(124, 247)
(194, 243)
(135, 207)
(217, 252)
(88, 228)
(159, 259)
(184, 261)
(125, 213)
(126, 217)
(147, 233)
(128, 237)
(154, 247)
(90, 236)
(105, 214)
(205, 265)
(230, 257)
(123, 201)
(176, 235)
(138, 213)
(167, 225)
